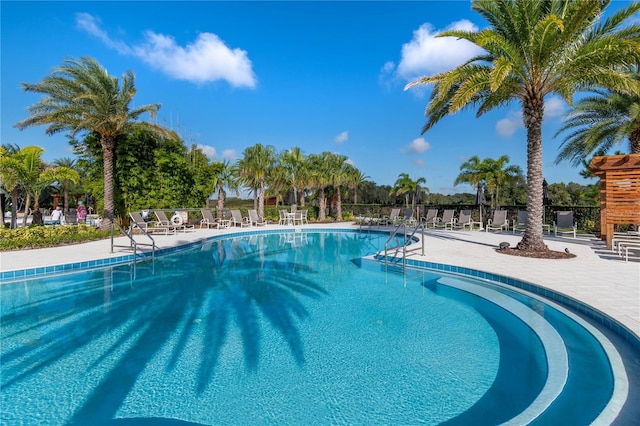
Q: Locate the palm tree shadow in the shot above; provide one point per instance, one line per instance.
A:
(199, 294)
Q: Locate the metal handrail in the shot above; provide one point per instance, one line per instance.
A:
(403, 224)
(133, 243)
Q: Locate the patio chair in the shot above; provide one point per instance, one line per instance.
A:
(176, 222)
(520, 222)
(254, 219)
(564, 223)
(408, 218)
(137, 221)
(300, 217)
(430, 218)
(391, 219)
(499, 221)
(208, 220)
(283, 218)
(446, 220)
(463, 220)
(238, 220)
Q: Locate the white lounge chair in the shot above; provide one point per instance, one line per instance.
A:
(392, 219)
(499, 221)
(254, 219)
(430, 218)
(564, 223)
(208, 220)
(447, 219)
(463, 220)
(238, 220)
(176, 222)
(520, 223)
(138, 222)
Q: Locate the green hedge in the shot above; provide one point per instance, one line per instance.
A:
(36, 236)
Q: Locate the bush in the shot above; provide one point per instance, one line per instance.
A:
(36, 236)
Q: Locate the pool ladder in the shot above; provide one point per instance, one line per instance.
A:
(403, 225)
(133, 244)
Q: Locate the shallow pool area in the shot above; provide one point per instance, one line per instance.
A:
(295, 328)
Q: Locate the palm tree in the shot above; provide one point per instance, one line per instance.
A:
(319, 178)
(293, 161)
(12, 173)
(65, 184)
(533, 49)
(497, 174)
(404, 185)
(338, 177)
(355, 179)
(80, 96)
(599, 122)
(226, 178)
(253, 169)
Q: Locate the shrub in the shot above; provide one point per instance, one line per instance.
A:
(36, 236)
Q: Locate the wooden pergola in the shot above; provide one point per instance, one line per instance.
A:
(619, 191)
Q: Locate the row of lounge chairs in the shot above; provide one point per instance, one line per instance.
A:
(564, 223)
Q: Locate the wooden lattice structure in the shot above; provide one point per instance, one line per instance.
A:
(619, 191)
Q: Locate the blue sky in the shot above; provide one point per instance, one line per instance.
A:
(324, 76)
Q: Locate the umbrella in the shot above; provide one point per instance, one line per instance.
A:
(418, 199)
(480, 200)
(546, 200)
(292, 197)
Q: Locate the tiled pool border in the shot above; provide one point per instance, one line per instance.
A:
(592, 313)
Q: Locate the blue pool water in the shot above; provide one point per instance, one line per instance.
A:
(291, 328)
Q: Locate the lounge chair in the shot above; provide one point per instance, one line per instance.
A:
(499, 221)
(176, 222)
(408, 218)
(137, 221)
(238, 220)
(446, 220)
(430, 218)
(463, 220)
(520, 222)
(208, 220)
(255, 219)
(564, 223)
(391, 219)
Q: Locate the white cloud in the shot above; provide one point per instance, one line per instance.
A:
(418, 146)
(554, 107)
(229, 154)
(205, 60)
(509, 125)
(342, 137)
(209, 151)
(427, 54)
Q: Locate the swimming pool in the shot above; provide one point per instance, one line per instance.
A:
(292, 328)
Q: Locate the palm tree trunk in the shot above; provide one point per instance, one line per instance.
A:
(26, 210)
(533, 238)
(220, 202)
(338, 204)
(66, 197)
(322, 204)
(108, 146)
(14, 208)
(634, 142)
(261, 199)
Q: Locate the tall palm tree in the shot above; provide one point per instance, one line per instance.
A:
(355, 179)
(80, 96)
(533, 49)
(226, 178)
(253, 169)
(404, 185)
(293, 161)
(338, 177)
(599, 122)
(12, 173)
(320, 179)
(497, 174)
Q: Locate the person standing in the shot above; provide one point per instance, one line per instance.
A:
(56, 216)
(82, 212)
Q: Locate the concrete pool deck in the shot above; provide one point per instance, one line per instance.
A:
(596, 276)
